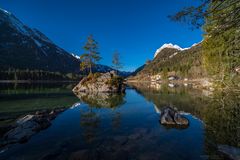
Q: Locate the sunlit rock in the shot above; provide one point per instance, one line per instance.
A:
(108, 82)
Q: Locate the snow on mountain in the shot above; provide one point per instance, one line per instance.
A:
(76, 56)
(170, 45)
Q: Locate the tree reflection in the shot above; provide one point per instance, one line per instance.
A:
(116, 120)
(220, 112)
(184, 99)
(90, 120)
(90, 123)
(222, 119)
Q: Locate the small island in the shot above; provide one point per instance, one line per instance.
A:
(108, 82)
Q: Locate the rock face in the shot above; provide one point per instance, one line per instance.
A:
(169, 116)
(108, 82)
(29, 125)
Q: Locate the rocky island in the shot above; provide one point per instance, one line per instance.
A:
(108, 82)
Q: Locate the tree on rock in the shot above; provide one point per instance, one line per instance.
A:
(91, 55)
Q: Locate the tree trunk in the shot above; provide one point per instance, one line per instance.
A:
(90, 69)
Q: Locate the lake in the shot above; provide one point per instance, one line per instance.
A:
(122, 126)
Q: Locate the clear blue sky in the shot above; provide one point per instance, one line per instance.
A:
(136, 28)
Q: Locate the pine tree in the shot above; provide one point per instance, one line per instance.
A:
(220, 20)
(221, 46)
(91, 55)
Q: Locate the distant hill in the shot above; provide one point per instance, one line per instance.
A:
(173, 60)
(24, 48)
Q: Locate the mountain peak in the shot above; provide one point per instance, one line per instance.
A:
(167, 45)
(173, 46)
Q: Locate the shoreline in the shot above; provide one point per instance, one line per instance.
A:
(204, 83)
(37, 81)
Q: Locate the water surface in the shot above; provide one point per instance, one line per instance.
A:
(126, 126)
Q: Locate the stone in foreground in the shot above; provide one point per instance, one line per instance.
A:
(108, 82)
(27, 126)
(171, 117)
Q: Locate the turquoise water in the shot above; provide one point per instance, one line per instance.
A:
(126, 127)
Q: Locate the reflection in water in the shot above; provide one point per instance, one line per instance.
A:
(102, 100)
(219, 111)
(116, 120)
(181, 98)
(221, 117)
(111, 126)
(20, 99)
(90, 122)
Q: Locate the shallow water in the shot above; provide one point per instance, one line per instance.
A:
(103, 126)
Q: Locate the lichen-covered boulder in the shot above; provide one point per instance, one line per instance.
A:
(108, 82)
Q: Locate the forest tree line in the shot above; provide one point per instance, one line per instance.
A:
(17, 74)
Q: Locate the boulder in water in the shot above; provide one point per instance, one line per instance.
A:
(170, 116)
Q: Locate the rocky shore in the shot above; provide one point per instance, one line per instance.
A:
(108, 82)
(25, 127)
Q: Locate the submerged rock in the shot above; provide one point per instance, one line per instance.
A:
(29, 125)
(229, 151)
(25, 128)
(101, 82)
(170, 116)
